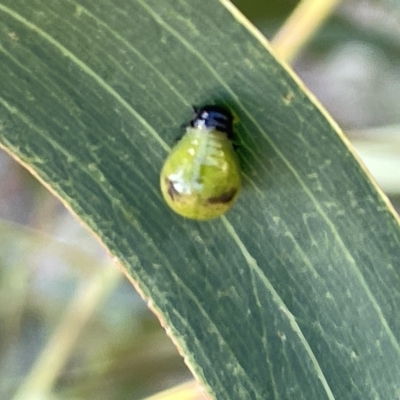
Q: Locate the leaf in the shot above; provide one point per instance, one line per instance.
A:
(295, 293)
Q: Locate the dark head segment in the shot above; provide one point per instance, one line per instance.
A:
(216, 117)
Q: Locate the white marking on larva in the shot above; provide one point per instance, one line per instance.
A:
(182, 186)
(205, 149)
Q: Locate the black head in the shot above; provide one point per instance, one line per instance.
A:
(216, 117)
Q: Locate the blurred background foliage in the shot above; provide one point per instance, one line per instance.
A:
(112, 346)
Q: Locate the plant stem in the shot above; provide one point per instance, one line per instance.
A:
(304, 21)
(50, 363)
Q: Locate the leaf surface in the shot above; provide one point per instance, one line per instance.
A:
(295, 293)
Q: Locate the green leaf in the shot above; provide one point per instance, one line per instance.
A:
(295, 293)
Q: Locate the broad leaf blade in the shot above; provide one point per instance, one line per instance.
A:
(294, 294)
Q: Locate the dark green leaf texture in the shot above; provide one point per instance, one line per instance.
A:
(295, 293)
